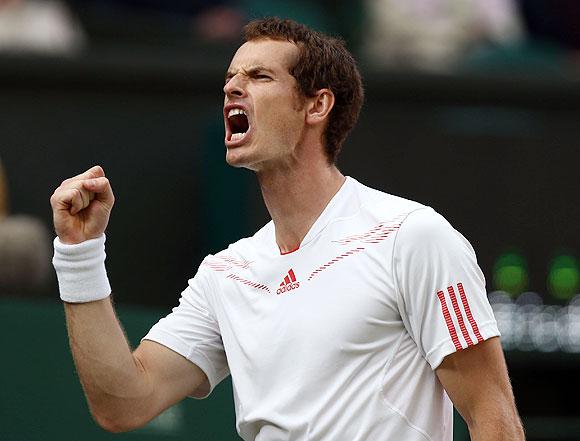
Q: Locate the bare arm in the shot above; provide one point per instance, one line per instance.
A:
(124, 390)
(477, 382)
(3, 194)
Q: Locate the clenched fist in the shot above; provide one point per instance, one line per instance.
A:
(81, 206)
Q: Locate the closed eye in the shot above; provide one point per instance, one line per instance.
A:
(259, 73)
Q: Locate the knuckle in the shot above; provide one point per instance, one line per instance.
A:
(56, 195)
(68, 184)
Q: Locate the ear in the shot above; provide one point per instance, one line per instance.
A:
(319, 106)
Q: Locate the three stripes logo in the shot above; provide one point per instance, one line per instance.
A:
(461, 316)
(289, 283)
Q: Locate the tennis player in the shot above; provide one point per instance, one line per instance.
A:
(353, 315)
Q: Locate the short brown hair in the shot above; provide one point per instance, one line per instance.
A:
(323, 62)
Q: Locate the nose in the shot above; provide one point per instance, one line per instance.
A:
(234, 87)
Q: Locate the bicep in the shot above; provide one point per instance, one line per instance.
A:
(171, 376)
(477, 381)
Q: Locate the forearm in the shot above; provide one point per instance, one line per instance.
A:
(496, 426)
(114, 382)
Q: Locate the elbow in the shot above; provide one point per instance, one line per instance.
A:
(118, 423)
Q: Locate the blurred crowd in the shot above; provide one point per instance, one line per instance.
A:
(424, 34)
(25, 250)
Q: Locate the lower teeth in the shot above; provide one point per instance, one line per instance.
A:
(237, 136)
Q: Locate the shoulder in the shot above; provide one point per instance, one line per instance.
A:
(425, 224)
(425, 235)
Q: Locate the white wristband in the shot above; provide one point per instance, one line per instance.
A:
(80, 269)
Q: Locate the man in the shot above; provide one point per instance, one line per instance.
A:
(352, 315)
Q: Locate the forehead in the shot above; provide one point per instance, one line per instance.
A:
(273, 54)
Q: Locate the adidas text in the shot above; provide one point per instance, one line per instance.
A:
(288, 287)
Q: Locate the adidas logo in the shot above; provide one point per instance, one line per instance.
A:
(289, 283)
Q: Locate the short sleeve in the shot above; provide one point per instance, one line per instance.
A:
(442, 296)
(192, 331)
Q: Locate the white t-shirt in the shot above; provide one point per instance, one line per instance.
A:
(337, 340)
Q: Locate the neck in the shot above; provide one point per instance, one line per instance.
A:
(295, 198)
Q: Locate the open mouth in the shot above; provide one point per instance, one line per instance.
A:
(238, 124)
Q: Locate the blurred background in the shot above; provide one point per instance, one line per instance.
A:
(473, 107)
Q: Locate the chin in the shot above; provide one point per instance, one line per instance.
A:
(235, 158)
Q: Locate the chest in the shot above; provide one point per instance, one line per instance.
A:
(316, 305)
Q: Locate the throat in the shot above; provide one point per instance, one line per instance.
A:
(295, 203)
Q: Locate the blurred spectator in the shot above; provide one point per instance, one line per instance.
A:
(551, 47)
(44, 26)
(218, 23)
(435, 34)
(3, 195)
(24, 250)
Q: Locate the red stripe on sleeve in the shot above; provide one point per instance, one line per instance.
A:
(459, 315)
(470, 318)
(448, 321)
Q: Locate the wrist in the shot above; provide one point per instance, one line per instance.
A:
(80, 269)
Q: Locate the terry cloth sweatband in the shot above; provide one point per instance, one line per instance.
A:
(80, 269)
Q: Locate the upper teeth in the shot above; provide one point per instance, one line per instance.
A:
(236, 111)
